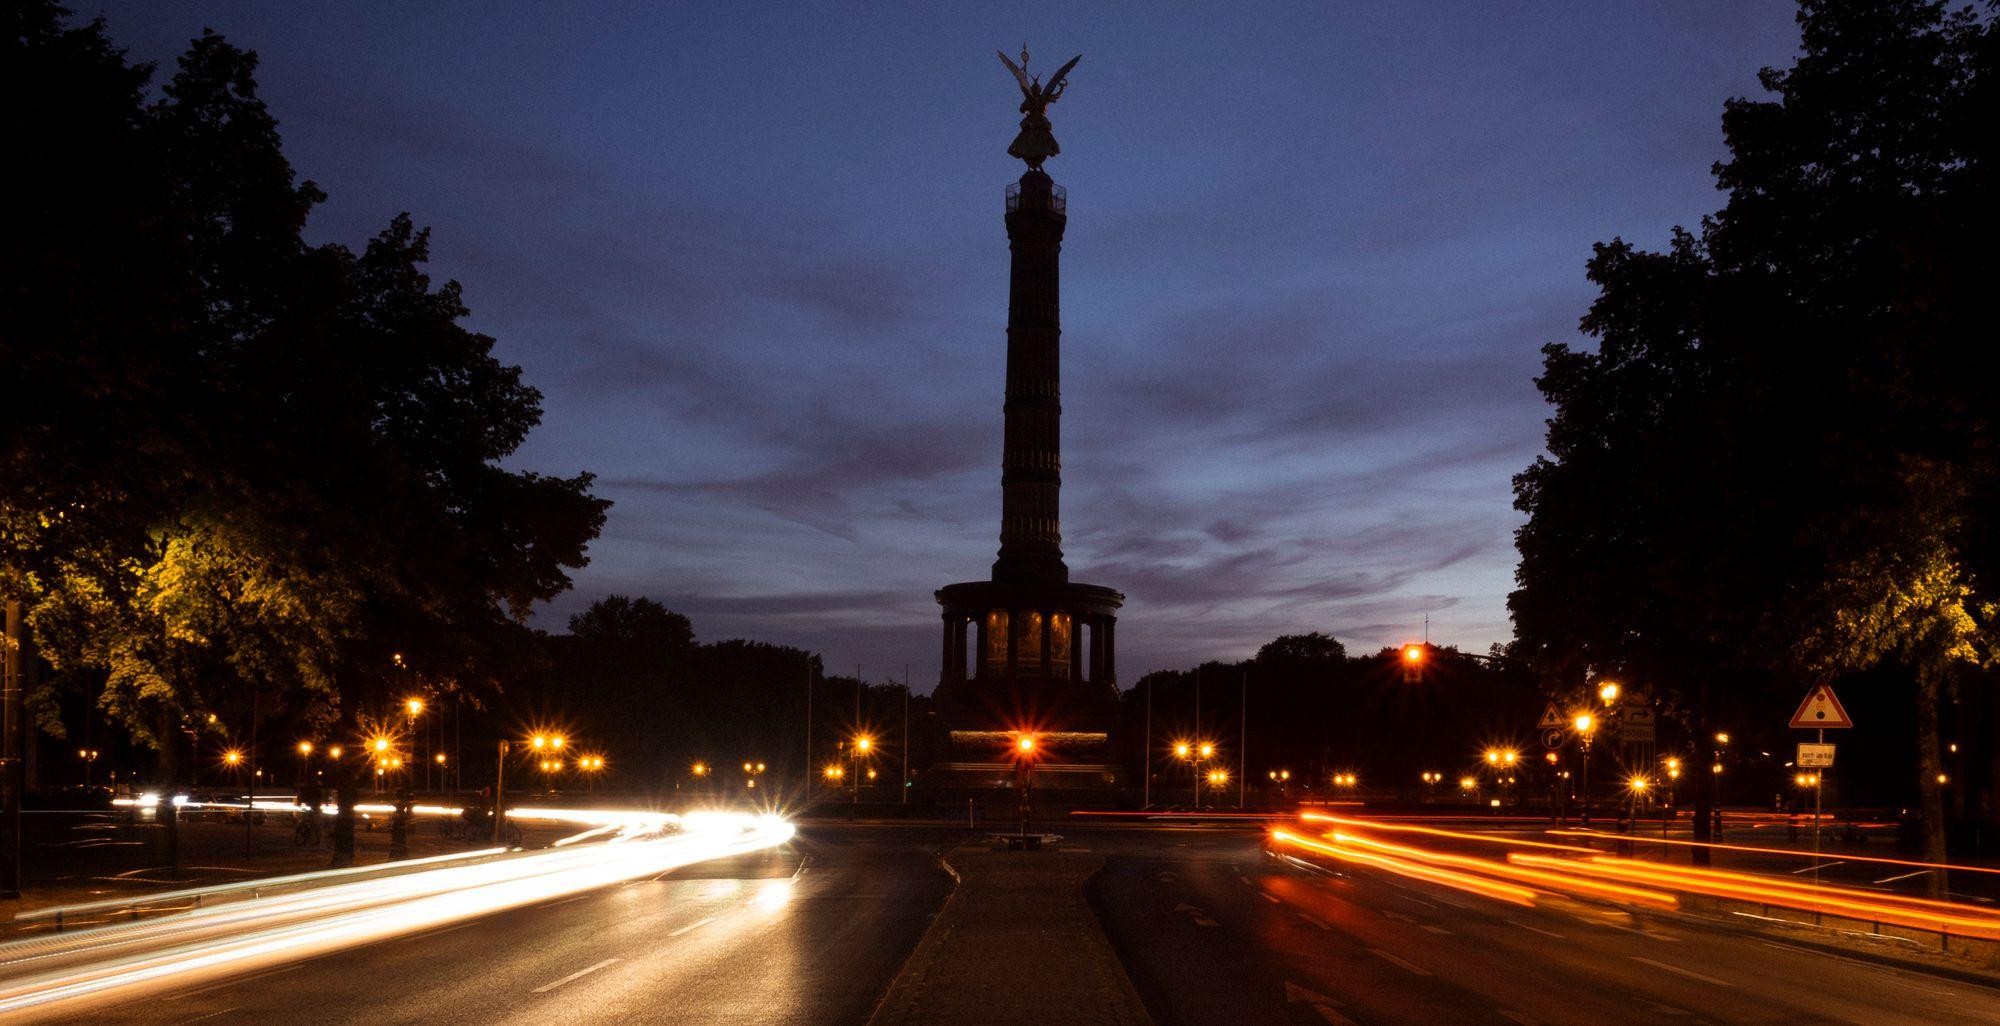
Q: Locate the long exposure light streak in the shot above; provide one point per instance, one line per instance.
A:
(1779, 852)
(194, 946)
(1456, 835)
(1549, 878)
(1913, 913)
(1417, 871)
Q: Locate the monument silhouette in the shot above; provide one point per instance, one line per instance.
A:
(1029, 650)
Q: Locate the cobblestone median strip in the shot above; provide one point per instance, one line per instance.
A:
(1015, 943)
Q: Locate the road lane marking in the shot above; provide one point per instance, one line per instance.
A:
(233, 981)
(571, 978)
(1398, 962)
(1436, 929)
(210, 1015)
(1313, 920)
(1419, 901)
(1905, 876)
(565, 901)
(1689, 973)
(1400, 917)
(1535, 929)
(1895, 975)
(1272, 898)
(694, 925)
(1205, 921)
(1826, 865)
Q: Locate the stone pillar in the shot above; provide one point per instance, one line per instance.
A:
(1048, 632)
(1111, 651)
(1096, 650)
(1031, 447)
(979, 659)
(947, 673)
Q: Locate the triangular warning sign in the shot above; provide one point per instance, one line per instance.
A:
(1551, 719)
(1821, 710)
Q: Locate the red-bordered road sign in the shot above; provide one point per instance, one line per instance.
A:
(1821, 711)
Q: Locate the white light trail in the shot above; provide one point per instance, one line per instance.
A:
(206, 943)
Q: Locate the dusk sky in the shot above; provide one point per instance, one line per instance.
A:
(753, 255)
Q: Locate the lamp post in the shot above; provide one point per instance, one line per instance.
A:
(1025, 751)
(414, 707)
(1586, 724)
(863, 744)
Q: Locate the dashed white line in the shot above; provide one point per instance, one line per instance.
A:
(1905, 876)
(1535, 929)
(1823, 865)
(1313, 920)
(573, 977)
(1272, 898)
(1436, 929)
(1677, 970)
(1399, 962)
(694, 925)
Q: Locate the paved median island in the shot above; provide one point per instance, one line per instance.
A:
(1015, 943)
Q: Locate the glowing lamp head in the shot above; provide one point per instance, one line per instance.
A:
(1413, 653)
(1585, 723)
(1722, 737)
(233, 757)
(1025, 744)
(1608, 692)
(1467, 783)
(414, 706)
(700, 769)
(438, 758)
(380, 744)
(1207, 750)
(335, 752)
(864, 744)
(305, 748)
(1181, 749)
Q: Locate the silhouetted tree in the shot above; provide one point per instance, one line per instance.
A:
(253, 466)
(1776, 465)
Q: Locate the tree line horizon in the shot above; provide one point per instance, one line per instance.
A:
(260, 474)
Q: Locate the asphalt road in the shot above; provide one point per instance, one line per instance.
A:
(1212, 929)
(809, 933)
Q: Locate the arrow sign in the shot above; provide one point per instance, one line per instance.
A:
(1821, 711)
(1551, 719)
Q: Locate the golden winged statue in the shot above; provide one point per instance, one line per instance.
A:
(1037, 142)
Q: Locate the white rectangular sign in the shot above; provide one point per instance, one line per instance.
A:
(1815, 756)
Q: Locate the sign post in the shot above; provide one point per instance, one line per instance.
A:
(1822, 712)
(1551, 725)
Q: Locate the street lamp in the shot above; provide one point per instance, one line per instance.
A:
(1608, 692)
(1195, 754)
(1027, 748)
(1586, 724)
(863, 744)
(89, 757)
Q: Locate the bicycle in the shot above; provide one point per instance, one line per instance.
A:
(305, 829)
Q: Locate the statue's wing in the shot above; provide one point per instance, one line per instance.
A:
(1019, 75)
(1060, 72)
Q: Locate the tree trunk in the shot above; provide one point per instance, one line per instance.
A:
(346, 777)
(1705, 796)
(345, 793)
(1930, 766)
